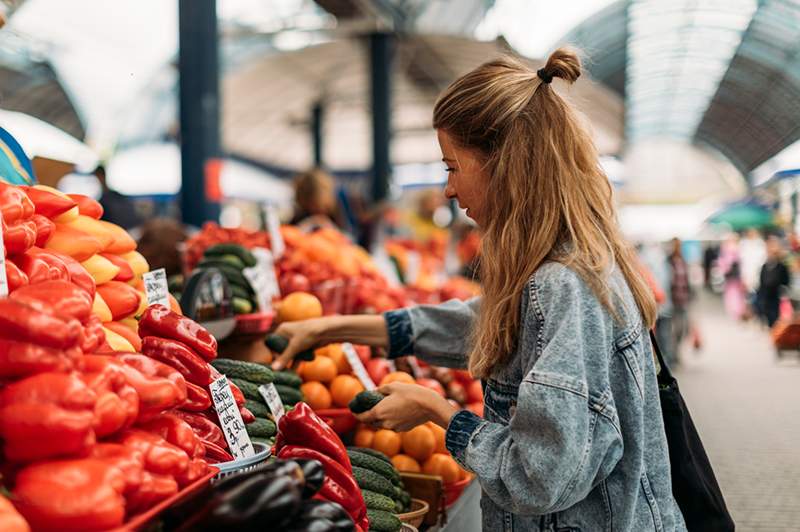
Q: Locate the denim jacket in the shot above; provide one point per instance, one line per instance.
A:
(572, 438)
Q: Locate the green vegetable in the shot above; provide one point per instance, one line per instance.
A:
(287, 378)
(241, 305)
(372, 452)
(219, 250)
(289, 396)
(233, 260)
(376, 501)
(381, 521)
(377, 465)
(250, 371)
(365, 401)
(263, 428)
(238, 291)
(258, 408)
(249, 389)
(399, 507)
(269, 442)
(370, 480)
(278, 343)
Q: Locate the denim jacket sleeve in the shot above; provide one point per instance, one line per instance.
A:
(561, 440)
(438, 334)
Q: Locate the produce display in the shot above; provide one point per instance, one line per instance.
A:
(231, 260)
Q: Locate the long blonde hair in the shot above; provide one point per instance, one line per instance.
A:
(547, 199)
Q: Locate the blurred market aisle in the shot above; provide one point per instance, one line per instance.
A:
(746, 406)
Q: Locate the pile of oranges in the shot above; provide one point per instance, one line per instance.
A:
(327, 380)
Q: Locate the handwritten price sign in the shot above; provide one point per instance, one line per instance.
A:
(232, 424)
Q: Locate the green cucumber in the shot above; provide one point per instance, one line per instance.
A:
(262, 428)
(258, 408)
(377, 465)
(240, 369)
(365, 401)
(289, 396)
(381, 521)
(370, 480)
(249, 389)
(219, 250)
(238, 291)
(241, 305)
(278, 343)
(372, 452)
(376, 501)
(288, 378)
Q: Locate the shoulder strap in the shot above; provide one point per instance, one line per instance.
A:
(664, 375)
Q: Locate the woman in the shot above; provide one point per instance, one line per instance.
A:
(572, 437)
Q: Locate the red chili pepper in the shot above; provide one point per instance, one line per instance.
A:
(60, 298)
(93, 335)
(197, 399)
(333, 471)
(77, 273)
(14, 203)
(159, 321)
(48, 204)
(125, 271)
(24, 323)
(176, 431)
(10, 519)
(20, 359)
(179, 356)
(122, 299)
(160, 456)
(247, 416)
(14, 276)
(301, 426)
(333, 492)
(18, 237)
(46, 415)
(87, 206)
(71, 495)
(216, 454)
(204, 427)
(117, 403)
(44, 229)
(238, 396)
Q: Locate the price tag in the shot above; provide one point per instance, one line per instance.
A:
(263, 279)
(358, 367)
(274, 229)
(3, 278)
(232, 424)
(273, 400)
(413, 261)
(156, 288)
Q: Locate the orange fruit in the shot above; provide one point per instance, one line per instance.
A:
(335, 353)
(321, 369)
(419, 443)
(316, 395)
(403, 462)
(438, 434)
(444, 466)
(364, 436)
(321, 351)
(398, 376)
(387, 441)
(344, 388)
(299, 306)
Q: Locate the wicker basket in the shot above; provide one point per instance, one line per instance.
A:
(416, 515)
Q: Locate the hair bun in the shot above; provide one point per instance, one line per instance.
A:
(563, 63)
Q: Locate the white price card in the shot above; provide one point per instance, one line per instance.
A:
(273, 400)
(274, 230)
(156, 288)
(263, 279)
(230, 419)
(3, 278)
(358, 367)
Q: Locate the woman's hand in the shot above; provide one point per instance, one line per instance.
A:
(302, 335)
(408, 405)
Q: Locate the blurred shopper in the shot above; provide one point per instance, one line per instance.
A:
(159, 243)
(710, 256)
(774, 278)
(117, 208)
(653, 257)
(560, 335)
(752, 254)
(315, 200)
(680, 295)
(729, 265)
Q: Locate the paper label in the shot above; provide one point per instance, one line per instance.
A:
(230, 419)
(3, 278)
(358, 367)
(274, 230)
(263, 279)
(156, 288)
(273, 400)
(413, 262)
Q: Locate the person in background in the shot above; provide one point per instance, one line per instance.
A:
(653, 257)
(117, 208)
(710, 255)
(728, 262)
(773, 279)
(315, 200)
(159, 244)
(752, 255)
(680, 294)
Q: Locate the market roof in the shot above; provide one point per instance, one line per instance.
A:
(724, 75)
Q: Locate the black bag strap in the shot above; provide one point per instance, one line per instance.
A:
(664, 375)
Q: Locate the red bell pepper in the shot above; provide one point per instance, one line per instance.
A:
(159, 386)
(154, 489)
(179, 356)
(301, 426)
(130, 461)
(87, 206)
(176, 431)
(60, 298)
(117, 403)
(198, 467)
(48, 204)
(10, 520)
(69, 495)
(24, 323)
(40, 265)
(204, 427)
(18, 237)
(44, 229)
(216, 454)
(93, 335)
(46, 415)
(20, 359)
(122, 299)
(334, 472)
(197, 399)
(160, 456)
(125, 271)
(14, 276)
(159, 321)
(14, 203)
(77, 273)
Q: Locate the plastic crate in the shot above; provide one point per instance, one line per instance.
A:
(256, 323)
(245, 464)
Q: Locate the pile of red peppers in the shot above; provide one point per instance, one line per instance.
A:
(304, 435)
